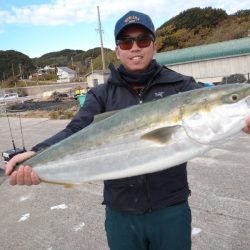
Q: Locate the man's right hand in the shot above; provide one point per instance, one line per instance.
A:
(24, 175)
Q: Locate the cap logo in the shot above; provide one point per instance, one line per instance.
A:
(131, 19)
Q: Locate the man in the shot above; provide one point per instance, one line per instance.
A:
(149, 211)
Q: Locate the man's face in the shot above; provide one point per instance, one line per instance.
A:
(135, 59)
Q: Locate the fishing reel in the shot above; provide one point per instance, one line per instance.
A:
(10, 153)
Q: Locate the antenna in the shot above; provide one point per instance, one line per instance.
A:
(11, 135)
(21, 129)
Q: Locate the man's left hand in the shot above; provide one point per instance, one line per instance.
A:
(247, 128)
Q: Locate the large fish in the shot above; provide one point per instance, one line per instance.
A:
(147, 138)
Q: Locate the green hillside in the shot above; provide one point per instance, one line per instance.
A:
(76, 59)
(13, 62)
(198, 26)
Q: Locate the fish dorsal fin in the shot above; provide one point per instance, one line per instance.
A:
(161, 135)
(103, 116)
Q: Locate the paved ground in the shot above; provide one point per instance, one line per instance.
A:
(55, 218)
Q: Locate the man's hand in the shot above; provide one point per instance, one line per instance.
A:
(24, 175)
(247, 128)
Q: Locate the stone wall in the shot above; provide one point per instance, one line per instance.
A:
(41, 89)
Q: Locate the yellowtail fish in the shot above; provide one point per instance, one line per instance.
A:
(147, 138)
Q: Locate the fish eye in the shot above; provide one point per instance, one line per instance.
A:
(234, 97)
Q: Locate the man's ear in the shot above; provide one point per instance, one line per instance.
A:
(117, 53)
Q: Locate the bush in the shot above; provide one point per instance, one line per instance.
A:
(235, 78)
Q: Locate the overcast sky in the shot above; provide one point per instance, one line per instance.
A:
(38, 27)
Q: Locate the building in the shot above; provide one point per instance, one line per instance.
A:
(97, 77)
(65, 74)
(48, 68)
(211, 62)
(42, 71)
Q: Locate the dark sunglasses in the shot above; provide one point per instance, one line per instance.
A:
(142, 41)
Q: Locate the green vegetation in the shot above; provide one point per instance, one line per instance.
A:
(191, 27)
(62, 114)
(239, 78)
(76, 59)
(14, 63)
(198, 26)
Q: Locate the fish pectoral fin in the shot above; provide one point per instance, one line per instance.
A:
(161, 135)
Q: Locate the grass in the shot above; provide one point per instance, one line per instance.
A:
(62, 114)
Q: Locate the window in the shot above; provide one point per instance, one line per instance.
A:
(95, 82)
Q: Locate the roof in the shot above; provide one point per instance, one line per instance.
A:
(68, 70)
(205, 52)
(100, 72)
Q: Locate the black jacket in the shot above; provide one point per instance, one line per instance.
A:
(142, 193)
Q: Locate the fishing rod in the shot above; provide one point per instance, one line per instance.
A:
(10, 153)
(21, 129)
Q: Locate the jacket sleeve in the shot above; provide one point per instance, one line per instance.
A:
(189, 84)
(93, 105)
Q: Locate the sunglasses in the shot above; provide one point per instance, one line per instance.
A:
(142, 41)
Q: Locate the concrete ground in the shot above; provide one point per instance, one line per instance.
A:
(51, 217)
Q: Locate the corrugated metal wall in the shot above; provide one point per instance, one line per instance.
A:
(214, 70)
(210, 62)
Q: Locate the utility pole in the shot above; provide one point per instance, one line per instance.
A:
(13, 74)
(100, 32)
(92, 70)
(20, 69)
(91, 64)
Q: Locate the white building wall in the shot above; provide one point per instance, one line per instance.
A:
(95, 79)
(64, 76)
(214, 70)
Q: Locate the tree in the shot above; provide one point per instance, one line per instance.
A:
(191, 18)
(12, 62)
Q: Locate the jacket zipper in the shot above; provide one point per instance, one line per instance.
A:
(150, 83)
(149, 208)
(146, 180)
(140, 98)
(148, 86)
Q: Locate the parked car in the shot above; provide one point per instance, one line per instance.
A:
(8, 97)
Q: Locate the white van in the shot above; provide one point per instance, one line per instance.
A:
(9, 96)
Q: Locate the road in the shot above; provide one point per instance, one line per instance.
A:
(54, 218)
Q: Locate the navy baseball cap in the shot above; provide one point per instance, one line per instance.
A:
(131, 18)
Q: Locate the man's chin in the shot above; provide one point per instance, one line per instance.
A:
(136, 68)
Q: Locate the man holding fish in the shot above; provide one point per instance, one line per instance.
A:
(143, 211)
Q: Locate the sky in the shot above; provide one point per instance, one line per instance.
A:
(37, 27)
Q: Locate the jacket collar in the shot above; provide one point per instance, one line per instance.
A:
(162, 75)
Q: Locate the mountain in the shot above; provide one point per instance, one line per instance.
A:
(77, 59)
(191, 27)
(198, 26)
(13, 62)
